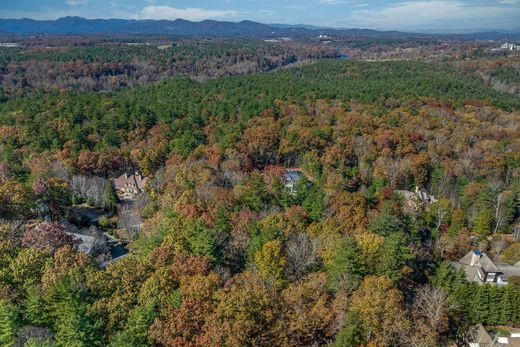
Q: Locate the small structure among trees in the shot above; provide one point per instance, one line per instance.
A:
(291, 177)
(420, 193)
(481, 269)
(129, 186)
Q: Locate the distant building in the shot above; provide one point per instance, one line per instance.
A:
(424, 195)
(479, 268)
(510, 47)
(414, 202)
(9, 44)
(291, 177)
(129, 186)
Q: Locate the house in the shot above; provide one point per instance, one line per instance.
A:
(9, 44)
(128, 186)
(421, 195)
(479, 268)
(510, 46)
(424, 195)
(85, 242)
(479, 337)
(291, 177)
(414, 202)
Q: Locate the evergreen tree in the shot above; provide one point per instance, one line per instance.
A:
(34, 307)
(386, 222)
(494, 302)
(255, 194)
(314, 203)
(136, 329)
(69, 308)
(202, 240)
(110, 198)
(222, 221)
(508, 306)
(8, 324)
(352, 333)
(483, 222)
(74, 326)
(346, 263)
(393, 256)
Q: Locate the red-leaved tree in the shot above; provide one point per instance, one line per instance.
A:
(47, 235)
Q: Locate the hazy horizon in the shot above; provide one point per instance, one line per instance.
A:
(433, 16)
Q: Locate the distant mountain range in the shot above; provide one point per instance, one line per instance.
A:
(79, 25)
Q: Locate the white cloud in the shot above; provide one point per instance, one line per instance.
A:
(509, 2)
(190, 13)
(443, 15)
(263, 13)
(299, 8)
(331, 2)
(76, 2)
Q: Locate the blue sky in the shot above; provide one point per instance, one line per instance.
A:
(421, 16)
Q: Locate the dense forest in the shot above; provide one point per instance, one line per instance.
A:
(113, 64)
(226, 252)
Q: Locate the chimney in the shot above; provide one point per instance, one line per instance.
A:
(126, 176)
(475, 257)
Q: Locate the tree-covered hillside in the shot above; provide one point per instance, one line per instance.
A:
(225, 248)
(112, 64)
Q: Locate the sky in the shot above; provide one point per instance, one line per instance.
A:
(438, 16)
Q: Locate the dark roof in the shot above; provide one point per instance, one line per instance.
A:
(293, 175)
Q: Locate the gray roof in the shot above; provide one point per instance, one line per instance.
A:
(477, 258)
(69, 226)
(488, 265)
(477, 265)
(482, 337)
(472, 272)
(510, 270)
(86, 243)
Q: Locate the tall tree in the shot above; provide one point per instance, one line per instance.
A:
(8, 324)
(381, 309)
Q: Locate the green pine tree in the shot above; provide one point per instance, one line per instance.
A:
(34, 310)
(483, 222)
(352, 333)
(346, 263)
(135, 333)
(110, 198)
(8, 324)
(74, 327)
(222, 221)
(393, 256)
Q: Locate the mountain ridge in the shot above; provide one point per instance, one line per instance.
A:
(208, 27)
